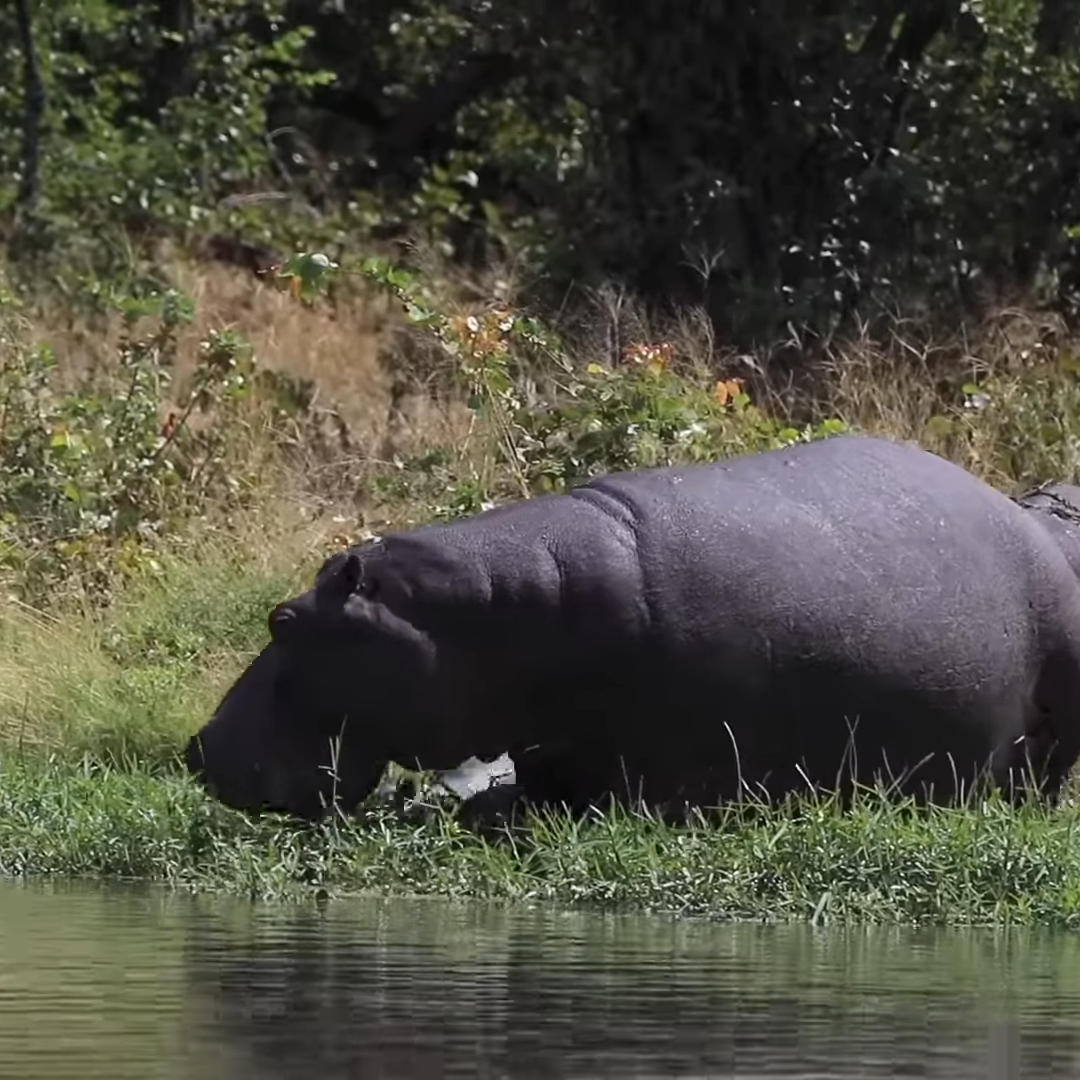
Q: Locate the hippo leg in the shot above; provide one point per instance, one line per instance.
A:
(491, 811)
(576, 780)
(545, 780)
(1044, 758)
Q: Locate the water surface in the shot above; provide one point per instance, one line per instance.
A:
(137, 983)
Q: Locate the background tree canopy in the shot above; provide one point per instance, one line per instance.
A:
(780, 162)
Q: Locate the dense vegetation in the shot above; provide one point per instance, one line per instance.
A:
(781, 163)
(282, 275)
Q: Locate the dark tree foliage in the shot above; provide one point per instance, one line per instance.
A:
(779, 160)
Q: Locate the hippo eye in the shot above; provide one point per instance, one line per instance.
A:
(281, 621)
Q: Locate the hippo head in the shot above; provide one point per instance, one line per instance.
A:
(255, 754)
(344, 686)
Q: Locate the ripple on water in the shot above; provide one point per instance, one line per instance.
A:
(127, 982)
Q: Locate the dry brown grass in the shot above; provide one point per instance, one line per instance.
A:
(348, 351)
(390, 388)
(338, 348)
(352, 353)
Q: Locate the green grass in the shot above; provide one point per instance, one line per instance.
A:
(93, 710)
(133, 681)
(881, 863)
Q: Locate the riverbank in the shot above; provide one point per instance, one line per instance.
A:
(95, 707)
(880, 863)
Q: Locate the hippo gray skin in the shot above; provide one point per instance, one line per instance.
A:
(1057, 506)
(828, 614)
(248, 709)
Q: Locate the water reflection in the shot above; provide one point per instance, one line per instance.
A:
(125, 983)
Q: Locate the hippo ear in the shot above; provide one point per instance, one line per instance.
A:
(340, 576)
(346, 579)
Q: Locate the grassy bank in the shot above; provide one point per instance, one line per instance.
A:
(881, 863)
(96, 706)
(139, 556)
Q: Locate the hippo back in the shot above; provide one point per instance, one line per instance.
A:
(842, 520)
(848, 577)
(1057, 508)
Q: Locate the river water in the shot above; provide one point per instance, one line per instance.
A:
(114, 982)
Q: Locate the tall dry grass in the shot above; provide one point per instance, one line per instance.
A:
(384, 391)
(390, 391)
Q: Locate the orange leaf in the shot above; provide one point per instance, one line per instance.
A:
(728, 389)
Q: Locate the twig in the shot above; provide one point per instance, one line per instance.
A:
(33, 111)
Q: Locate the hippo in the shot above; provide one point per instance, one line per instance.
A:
(828, 615)
(1057, 507)
(250, 786)
(251, 696)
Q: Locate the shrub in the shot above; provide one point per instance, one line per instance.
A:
(93, 474)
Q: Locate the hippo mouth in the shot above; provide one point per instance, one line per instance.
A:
(251, 797)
